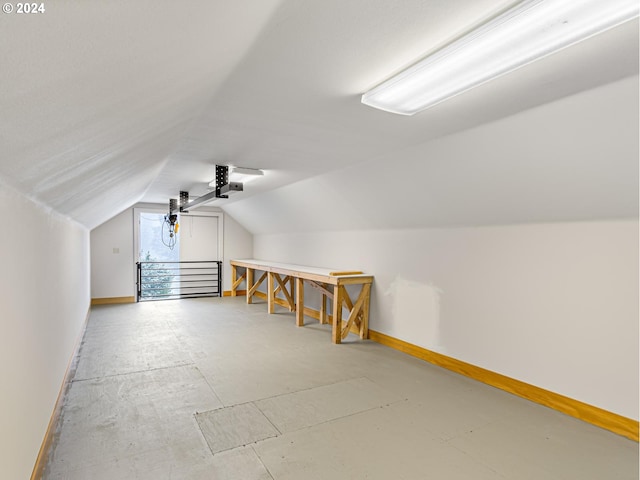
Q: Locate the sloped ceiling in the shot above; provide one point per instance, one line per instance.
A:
(575, 159)
(107, 103)
(96, 95)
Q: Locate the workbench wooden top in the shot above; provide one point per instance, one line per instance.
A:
(328, 275)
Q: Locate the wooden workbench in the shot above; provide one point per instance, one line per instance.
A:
(330, 282)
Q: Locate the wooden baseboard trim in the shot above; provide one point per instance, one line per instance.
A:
(613, 422)
(239, 293)
(277, 301)
(112, 300)
(596, 416)
(310, 312)
(47, 442)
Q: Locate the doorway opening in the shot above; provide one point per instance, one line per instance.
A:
(184, 264)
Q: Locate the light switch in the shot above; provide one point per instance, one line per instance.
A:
(116, 250)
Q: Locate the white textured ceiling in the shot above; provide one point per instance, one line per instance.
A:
(106, 103)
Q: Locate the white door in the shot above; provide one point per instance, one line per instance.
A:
(198, 238)
(198, 244)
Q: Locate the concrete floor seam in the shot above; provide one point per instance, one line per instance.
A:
(466, 454)
(202, 434)
(284, 394)
(281, 433)
(268, 419)
(263, 464)
(114, 375)
(209, 385)
(237, 447)
(337, 419)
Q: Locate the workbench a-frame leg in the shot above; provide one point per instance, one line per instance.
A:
(299, 302)
(271, 301)
(336, 330)
(249, 285)
(364, 323)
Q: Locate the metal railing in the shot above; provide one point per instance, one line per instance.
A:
(172, 280)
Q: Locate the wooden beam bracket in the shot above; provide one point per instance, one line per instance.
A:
(322, 288)
(238, 281)
(252, 290)
(357, 312)
(282, 287)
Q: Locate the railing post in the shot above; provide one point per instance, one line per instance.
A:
(138, 281)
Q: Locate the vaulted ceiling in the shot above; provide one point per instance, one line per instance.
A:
(107, 103)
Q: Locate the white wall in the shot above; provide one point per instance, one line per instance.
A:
(45, 300)
(113, 274)
(238, 243)
(554, 305)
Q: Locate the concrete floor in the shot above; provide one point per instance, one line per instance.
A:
(217, 389)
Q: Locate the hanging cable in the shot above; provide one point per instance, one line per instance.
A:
(171, 226)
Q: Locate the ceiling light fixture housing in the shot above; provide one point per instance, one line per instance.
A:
(531, 30)
(244, 175)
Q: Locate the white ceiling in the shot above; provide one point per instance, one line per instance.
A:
(107, 103)
(575, 159)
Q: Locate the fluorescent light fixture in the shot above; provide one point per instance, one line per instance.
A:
(531, 30)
